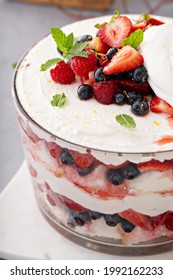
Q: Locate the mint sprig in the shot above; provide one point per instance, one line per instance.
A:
(135, 39)
(59, 100)
(125, 120)
(67, 45)
(49, 63)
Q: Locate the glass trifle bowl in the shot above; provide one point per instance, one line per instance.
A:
(102, 171)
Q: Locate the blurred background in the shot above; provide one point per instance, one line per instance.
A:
(24, 22)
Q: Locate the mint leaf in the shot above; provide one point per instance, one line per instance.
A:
(77, 50)
(134, 39)
(59, 100)
(69, 42)
(125, 120)
(49, 63)
(59, 37)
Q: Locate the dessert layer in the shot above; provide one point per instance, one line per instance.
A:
(87, 123)
(147, 193)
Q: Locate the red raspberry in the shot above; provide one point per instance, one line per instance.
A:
(62, 73)
(104, 91)
(83, 65)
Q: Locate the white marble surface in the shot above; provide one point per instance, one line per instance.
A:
(25, 234)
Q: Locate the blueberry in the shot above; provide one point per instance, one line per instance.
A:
(85, 171)
(100, 76)
(127, 226)
(140, 75)
(140, 107)
(94, 215)
(115, 176)
(80, 218)
(85, 92)
(84, 38)
(66, 157)
(112, 220)
(120, 98)
(130, 171)
(110, 53)
(129, 74)
(132, 96)
(118, 75)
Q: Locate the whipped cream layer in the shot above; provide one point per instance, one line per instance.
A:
(87, 123)
(158, 59)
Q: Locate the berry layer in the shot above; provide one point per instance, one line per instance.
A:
(85, 122)
(144, 187)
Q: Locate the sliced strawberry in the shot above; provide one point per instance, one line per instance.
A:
(137, 219)
(83, 160)
(130, 85)
(159, 220)
(140, 25)
(71, 204)
(158, 105)
(116, 31)
(126, 59)
(50, 199)
(32, 171)
(154, 21)
(155, 165)
(98, 45)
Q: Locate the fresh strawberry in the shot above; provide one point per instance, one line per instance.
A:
(71, 204)
(62, 73)
(164, 219)
(83, 65)
(83, 160)
(104, 91)
(140, 25)
(98, 45)
(137, 219)
(169, 221)
(130, 85)
(155, 165)
(116, 31)
(158, 105)
(154, 21)
(126, 59)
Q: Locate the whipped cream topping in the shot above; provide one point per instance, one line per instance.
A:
(157, 49)
(88, 123)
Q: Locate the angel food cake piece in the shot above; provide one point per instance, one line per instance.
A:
(106, 92)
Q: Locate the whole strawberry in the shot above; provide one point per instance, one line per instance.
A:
(62, 73)
(83, 65)
(104, 91)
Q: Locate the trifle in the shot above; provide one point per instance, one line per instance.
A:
(94, 103)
